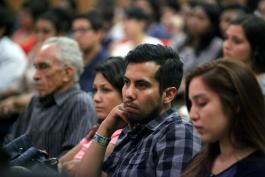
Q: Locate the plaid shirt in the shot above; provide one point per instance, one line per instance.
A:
(162, 148)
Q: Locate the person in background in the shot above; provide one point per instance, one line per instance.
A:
(245, 41)
(134, 24)
(15, 99)
(12, 58)
(55, 22)
(228, 13)
(201, 42)
(226, 107)
(107, 88)
(260, 10)
(58, 117)
(88, 32)
(156, 140)
(13, 62)
(24, 35)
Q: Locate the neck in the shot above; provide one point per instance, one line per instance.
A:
(165, 108)
(229, 151)
(137, 39)
(67, 86)
(90, 53)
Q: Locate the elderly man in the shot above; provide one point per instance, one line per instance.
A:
(60, 115)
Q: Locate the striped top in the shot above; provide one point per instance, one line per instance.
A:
(58, 122)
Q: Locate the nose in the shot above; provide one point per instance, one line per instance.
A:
(227, 44)
(194, 115)
(97, 97)
(129, 92)
(36, 75)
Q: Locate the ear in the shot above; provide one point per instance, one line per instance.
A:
(69, 74)
(169, 94)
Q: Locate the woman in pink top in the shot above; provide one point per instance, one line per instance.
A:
(106, 95)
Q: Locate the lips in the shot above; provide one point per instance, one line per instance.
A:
(227, 54)
(129, 107)
(99, 109)
(38, 88)
(199, 129)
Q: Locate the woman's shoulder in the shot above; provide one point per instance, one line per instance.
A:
(253, 165)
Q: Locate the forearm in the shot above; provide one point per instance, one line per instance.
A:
(70, 154)
(91, 163)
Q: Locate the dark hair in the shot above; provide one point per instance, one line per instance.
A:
(136, 13)
(213, 12)
(113, 70)
(60, 19)
(173, 4)
(235, 7)
(155, 7)
(242, 102)
(95, 19)
(254, 28)
(35, 7)
(170, 72)
(6, 21)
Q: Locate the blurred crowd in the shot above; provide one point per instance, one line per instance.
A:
(198, 31)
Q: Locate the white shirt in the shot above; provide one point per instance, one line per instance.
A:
(12, 63)
(122, 48)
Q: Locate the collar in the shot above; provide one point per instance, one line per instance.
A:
(155, 123)
(61, 97)
(58, 98)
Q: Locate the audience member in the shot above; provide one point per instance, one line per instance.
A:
(228, 13)
(12, 58)
(59, 116)
(19, 94)
(201, 43)
(135, 22)
(154, 28)
(106, 95)
(156, 140)
(260, 11)
(88, 32)
(226, 106)
(24, 35)
(245, 41)
(54, 22)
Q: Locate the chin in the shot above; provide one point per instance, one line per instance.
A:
(101, 117)
(42, 94)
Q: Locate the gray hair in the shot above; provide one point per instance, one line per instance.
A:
(69, 53)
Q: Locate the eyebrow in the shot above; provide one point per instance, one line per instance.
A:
(195, 97)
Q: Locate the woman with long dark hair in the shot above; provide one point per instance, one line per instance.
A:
(226, 107)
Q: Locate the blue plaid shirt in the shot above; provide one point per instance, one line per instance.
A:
(162, 148)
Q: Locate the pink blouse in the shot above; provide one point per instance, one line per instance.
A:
(86, 143)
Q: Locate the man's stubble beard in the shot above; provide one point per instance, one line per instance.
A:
(138, 119)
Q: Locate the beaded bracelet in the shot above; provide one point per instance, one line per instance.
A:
(104, 141)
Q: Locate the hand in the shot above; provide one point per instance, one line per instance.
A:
(7, 106)
(92, 132)
(115, 120)
(69, 168)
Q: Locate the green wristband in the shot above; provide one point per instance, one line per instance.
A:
(104, 141)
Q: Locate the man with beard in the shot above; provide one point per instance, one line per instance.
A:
(156, 140)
